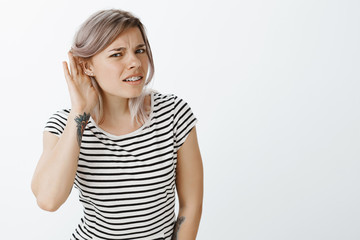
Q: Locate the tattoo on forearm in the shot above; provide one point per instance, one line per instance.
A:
(81, 122)
(177, 224)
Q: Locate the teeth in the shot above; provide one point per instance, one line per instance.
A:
(132, 79)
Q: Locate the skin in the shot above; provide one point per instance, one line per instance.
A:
(189, 186)
(81, 122)
(55, 172)
(177, 225)
(110, 67)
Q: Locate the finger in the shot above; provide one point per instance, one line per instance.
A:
(78, 66)
(73, 68)
(69, 79)
(80, 63)
(66, 72)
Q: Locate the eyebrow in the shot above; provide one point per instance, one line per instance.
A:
(122, 48)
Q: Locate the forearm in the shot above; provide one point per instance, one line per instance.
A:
(54, 176)
(187, 223)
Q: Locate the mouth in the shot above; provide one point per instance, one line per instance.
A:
(133, 79)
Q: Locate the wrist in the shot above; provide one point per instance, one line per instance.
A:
(80, 120)
(79, 111)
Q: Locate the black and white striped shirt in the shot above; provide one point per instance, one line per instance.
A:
(127, 183)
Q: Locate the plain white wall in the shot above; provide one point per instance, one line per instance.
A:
(274, 84)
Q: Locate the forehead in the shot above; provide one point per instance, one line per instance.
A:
(128, 38)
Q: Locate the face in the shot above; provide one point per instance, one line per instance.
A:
(121, 68)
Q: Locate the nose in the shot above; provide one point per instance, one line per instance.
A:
(133, 61)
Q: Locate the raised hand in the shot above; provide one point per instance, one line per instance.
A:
(84, 97)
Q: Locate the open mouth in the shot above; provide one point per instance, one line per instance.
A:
(133, 79)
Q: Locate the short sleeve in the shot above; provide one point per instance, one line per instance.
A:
(57, 122)
(184, 121)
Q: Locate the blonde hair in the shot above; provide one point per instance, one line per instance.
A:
(94, 35)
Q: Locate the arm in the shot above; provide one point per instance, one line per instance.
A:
(55, 172)
(189, 185)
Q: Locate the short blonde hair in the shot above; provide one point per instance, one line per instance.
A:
(95, 34)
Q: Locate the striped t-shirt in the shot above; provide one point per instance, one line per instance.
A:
(127, 183)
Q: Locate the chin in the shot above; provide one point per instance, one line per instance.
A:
(133, 94)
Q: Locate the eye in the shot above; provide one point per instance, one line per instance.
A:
(140, 50)
(116, 55)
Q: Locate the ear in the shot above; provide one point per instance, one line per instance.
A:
(87, 66)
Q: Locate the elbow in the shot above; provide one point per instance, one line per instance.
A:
(47, 205)
(44, 202)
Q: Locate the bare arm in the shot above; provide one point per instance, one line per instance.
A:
(189, 184)
(55, 172)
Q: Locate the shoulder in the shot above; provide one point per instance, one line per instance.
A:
(167, 98)
(60, 114)
(57, 122)
(177, 107)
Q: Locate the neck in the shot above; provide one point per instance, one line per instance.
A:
(115, 108)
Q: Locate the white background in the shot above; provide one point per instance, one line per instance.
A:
(274, 84)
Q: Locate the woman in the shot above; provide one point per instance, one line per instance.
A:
(123, 147)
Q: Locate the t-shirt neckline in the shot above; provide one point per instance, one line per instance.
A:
(130, 133)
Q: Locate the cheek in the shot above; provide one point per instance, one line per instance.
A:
(110, 69)
(145, 63)
(109, 76)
